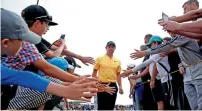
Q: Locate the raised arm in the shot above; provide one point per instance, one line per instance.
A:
(194, 27)
(84, 60)
(194, 14)
(138, 67)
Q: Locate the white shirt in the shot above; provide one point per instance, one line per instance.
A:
(151, 61)
(162, 73)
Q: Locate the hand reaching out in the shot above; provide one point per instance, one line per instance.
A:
(83, 89)
(87, 60)
(106, 88)
(137, 54)
(126, 73)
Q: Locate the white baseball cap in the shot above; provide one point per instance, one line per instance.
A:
(131, 65)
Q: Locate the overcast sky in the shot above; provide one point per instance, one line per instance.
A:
(89, 24)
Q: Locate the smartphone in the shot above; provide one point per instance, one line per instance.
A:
(62, 36)
(164, 16)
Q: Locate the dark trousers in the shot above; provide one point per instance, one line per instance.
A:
(177, 81)
(50, 104)
(105, 100)
(5, 96)
(7, 93)
(167, 91)
(148, 100)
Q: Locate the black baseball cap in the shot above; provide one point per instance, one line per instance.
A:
(72, 62)
(37, 12)
(111, 43)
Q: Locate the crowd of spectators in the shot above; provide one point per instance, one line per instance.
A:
(38, 75)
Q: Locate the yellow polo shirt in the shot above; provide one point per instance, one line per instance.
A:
(107, 68)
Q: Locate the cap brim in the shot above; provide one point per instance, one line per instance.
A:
(78, 66)
(31, 37)
(148, 44)
(131, 65)
(111, 45)
(52, 23)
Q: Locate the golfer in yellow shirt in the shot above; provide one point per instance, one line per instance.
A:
(108, 68)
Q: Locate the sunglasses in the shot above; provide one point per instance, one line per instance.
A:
(46, 17)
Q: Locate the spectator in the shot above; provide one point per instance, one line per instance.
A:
(7, 39)
(147, 38)
(148, 101)
(30, 14)
(132, 86)
(191, 6)
(161, 70)
(136, 90)
(108, 74)
(177, 81)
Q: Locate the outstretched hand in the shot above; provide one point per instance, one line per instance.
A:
(126, 73)
(82, 89)
(106, 88)
(87, 60)
(137, 54)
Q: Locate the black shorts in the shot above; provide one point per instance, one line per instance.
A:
(157, 91)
